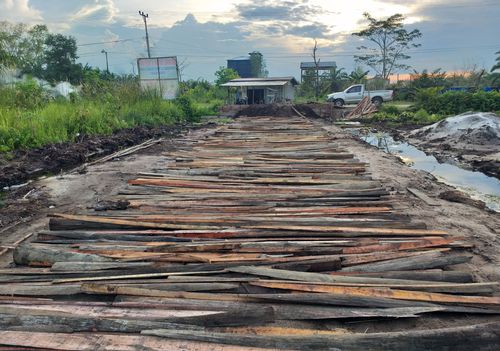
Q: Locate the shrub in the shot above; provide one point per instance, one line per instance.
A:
(390, 109)
(186, 105)
(456, 102)
(28, 118)
(406, 117)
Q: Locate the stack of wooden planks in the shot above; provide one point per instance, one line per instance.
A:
(259, 236)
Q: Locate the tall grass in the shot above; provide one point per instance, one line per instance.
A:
(97, 110)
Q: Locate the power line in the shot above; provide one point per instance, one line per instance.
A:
(109, 42)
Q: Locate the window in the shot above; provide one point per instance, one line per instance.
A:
(355, 89)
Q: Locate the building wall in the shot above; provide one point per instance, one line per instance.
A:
(243, 67)
(289, 92)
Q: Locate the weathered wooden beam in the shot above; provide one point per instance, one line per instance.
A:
(480, 336)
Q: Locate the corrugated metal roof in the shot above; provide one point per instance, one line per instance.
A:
(253, 83)
(266, 80)
(240, 58)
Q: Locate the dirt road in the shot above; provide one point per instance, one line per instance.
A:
(321, 161)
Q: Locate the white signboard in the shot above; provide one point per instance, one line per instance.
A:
(161, 74)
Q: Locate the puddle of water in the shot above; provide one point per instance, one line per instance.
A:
(478, 185)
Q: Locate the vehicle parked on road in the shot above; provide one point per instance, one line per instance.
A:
(355, 93)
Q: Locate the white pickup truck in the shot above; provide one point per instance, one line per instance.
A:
(355, 93)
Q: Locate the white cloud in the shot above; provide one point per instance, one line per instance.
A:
(12, 10)
(101, 11)
(220, 31)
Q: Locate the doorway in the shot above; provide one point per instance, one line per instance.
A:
(256, 96)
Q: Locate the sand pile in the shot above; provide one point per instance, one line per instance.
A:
(479, 128)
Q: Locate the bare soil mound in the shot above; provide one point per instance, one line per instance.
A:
(275, 110)
(310, 110)
(471, 138)
(471, 127)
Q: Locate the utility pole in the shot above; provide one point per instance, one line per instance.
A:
(144, 17)
(107, 64)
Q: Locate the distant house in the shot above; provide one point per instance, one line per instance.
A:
(242, 65)
(261, 90)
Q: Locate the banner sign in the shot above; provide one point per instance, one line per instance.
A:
(161, 74)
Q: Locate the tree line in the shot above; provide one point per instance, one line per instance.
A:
(35, 51)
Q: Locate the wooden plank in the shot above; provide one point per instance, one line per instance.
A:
(102, 341)
(491, 301)
(428, 200)
(457, 338)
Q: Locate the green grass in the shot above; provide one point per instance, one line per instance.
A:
(402, 105)
(392, 114)
(24, 125)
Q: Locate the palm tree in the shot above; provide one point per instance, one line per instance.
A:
(497, 63)
(334, 79)
(358, 76)
(495, 76)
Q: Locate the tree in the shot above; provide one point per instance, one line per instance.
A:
(494, 76)
(334, 80)
(34, 49)
(22, 46)
(316, 61)
(257, 65)
(358, 76)
(391, 43)
(224, 75)
(497, 62)
(60, 60)
(428, 80)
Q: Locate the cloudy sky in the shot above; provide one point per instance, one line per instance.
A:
(457, 34)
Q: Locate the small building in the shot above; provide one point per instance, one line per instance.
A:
(242, 65)
(261, 90)
(321, 66)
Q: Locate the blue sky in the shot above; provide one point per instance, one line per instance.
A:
(457, 34)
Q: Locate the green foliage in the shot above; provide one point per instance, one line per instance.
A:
(258, 65)
(26, 94)
(29, 120)
(390, 109)
(390, 42)
(22, 46)
(496, 66)
(224, 75)
(202, 91)
(186, 105)
(358, 76)
(30, 95)
(452, 103)
(425, 79)
(333, 80)
(60, 60)
(421, 117)
(431, 106)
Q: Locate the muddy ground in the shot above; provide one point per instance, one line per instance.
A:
(311, 110)
(481, 158)
(20, 204)
(72, 193)
(23, 165)
(477, 155)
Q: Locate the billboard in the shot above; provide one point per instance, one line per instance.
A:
(160, 74)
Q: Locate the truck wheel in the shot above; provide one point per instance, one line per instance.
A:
(377, 101)
(338, 102)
